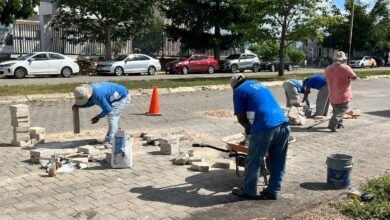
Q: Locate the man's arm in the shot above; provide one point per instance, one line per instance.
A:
(243, 120)
(305, 97)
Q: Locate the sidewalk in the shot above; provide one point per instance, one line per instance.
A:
(156, 189)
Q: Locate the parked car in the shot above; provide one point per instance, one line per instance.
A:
(193, 63)
(240, 62)
(40, 63)
(379, 61)
(132, 63)
(274, 65)
(361, 62)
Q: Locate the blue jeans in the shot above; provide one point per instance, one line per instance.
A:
(114, 116)
(275, 141)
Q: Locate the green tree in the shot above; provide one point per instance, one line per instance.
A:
(203, 24)
(10, 10)
(286, 21)
(151, 42)
(267, 51)
(380, 35)
(103, 20)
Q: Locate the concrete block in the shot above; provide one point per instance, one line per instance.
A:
(169, 149)
(181, 159)
(200, 166)
(20, 114)
(196, 159)
(21, 135)
(20, 123)
(77, 160)
(191, 153)
(222, 163)
(19, 107)
(36, 131)
(21, 143)
(108, 158)
(41, 153)
(88, 149)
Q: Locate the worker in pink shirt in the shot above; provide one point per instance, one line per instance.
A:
(339, 76)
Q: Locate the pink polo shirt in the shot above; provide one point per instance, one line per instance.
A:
(338, 77)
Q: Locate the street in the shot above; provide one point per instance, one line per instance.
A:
(83, 79)
(156, 189)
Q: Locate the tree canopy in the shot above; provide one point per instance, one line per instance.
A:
(103, 20)
(204, 24)
(15, 9)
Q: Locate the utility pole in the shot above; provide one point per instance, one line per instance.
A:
(350, 30)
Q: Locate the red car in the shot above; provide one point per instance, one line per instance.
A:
(193, 63)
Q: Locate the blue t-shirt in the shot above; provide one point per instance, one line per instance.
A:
(298, 84)
(315, 82)
(259, 104)
(104, 94)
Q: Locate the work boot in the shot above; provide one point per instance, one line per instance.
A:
(291, 139)
(237, 191)
(265, 195)
(332, 129)
(340, 126)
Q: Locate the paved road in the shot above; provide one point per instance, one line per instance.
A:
(156, 189)
(77, 79)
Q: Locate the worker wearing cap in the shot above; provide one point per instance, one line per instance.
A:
(268, 130)
(317, 82)
(110, 97)
(339, 76)
(292, 88)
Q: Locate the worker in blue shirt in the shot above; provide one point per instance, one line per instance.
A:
(264, 121)
(292, 88)
(317, 82)
(110, 97)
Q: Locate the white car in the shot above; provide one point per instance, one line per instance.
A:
(133, 63)
(362, 62)
(40, 63)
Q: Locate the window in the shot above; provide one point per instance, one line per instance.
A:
(243, 57)
(54, 56)
(141, 57)
(203, 58)
(131, 58)
(195, 58)
(41, 56)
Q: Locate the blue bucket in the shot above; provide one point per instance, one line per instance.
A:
(339, 170)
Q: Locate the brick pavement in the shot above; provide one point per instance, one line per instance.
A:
(156, 189)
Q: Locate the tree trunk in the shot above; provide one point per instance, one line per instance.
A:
(282, 47)
(217, 34)
(107, 42)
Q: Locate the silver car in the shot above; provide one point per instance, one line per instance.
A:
(240, 62)
(133, 63)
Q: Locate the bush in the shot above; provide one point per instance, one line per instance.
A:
(296, 56)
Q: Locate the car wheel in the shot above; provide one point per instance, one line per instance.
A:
(234, 68)
(272, 68)
(290, 67)
(151, 70)
(184, 70)
(256, 68)
(66, 72)
(372, 65)
(210, 70)
(118, 71)
(20, 73)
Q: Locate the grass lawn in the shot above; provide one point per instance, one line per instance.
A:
(161, 83)
(378, 208)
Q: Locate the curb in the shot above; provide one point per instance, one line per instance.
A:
(137, 92)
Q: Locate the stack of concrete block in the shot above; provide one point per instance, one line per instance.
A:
(169, 145)
(37, 135)
(20, 120)
(38, 154)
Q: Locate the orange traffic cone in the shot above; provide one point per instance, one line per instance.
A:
(154, 109)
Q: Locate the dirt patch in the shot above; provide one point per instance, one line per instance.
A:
(217, 113)
(323, 211)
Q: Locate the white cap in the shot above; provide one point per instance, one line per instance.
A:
(236, 78)
(82, 94)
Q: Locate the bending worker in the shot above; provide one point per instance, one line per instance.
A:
(292, 88)
(110, 97)
(259, 113)
(317, 82)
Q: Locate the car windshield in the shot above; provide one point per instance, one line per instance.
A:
(233, 56)
(184, 58)
(120, 57)
(358, 58)
(25, 56)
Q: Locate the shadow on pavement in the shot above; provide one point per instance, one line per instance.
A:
(200, 190)
(317, 186)
(384, 113)
(6, 145)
